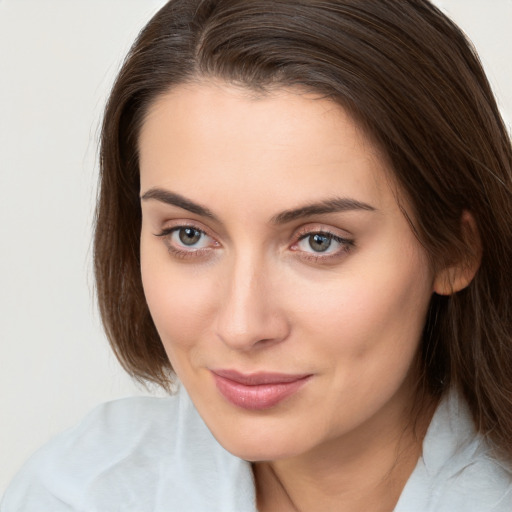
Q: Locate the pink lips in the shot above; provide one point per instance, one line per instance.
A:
(257, 391)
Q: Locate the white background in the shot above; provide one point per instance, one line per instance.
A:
(57, 61)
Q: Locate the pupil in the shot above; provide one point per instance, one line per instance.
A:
(189, 236)
(319, 243)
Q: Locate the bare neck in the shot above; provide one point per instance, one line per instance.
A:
(361, 471)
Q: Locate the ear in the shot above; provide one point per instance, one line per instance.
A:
(458, 275)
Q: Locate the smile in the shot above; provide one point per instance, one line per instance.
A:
(257, 391)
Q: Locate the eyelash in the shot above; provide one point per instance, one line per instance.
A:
(345, 244)
(167, 233)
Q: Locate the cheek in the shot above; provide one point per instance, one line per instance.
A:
(180, 300)
(367, 333)
(370, 314)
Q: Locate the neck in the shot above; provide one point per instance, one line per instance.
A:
(360, 471)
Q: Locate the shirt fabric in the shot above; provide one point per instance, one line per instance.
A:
(157, 455)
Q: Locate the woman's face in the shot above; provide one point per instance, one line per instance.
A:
(284, 280)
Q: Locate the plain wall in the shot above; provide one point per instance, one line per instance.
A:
(57, 62)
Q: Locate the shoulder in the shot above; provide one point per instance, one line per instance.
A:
(481, 484)
(129, 454)
(457, 471)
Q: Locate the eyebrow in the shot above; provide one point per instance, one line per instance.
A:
(334, 205)
(167, 197)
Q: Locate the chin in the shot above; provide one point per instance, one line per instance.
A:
(255, 452)
(256, 441)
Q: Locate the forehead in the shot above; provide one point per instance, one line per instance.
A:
(218, 137)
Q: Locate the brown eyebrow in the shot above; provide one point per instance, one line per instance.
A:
(335, 205)
(338, 204)
(167, 197)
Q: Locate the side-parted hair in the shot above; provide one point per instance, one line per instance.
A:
(411, 79)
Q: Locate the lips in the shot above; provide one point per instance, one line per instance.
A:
(257, 391)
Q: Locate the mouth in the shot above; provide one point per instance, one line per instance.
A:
(257, 391)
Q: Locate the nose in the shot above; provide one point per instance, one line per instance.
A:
(250, 314)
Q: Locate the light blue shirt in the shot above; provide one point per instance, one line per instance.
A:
(157, 455)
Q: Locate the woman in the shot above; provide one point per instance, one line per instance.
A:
(304, 215)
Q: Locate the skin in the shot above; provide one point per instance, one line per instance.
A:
(254, 295)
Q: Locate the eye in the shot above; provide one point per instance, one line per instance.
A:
(189, 236)
(187, 241)
(322, 245)
(319, 242)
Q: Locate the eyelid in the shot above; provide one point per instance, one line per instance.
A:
(311, 229)
(318, 227)
(346, 242)
(181, 251)
(173, 225)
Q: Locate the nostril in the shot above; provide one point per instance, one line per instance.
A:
(255, 334)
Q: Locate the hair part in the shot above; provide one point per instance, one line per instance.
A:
(413, 82)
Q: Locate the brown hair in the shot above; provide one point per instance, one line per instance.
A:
(413, 81)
